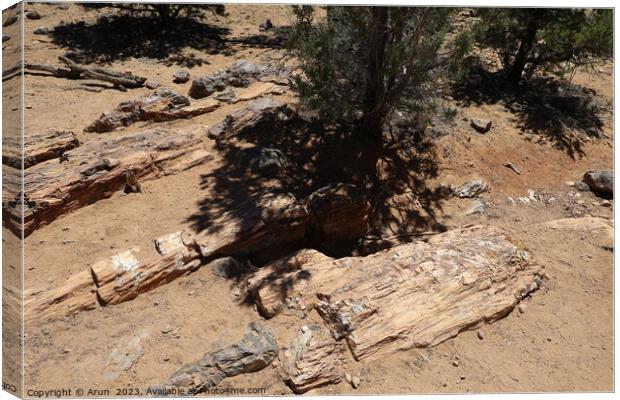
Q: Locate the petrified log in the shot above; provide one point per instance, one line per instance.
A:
(77, 294)
(158, 106)
(414, 295)
(337, 212)
(124, 276)
(257, 349)
(261, 222)
(120, 80)
(240, 74)
(311, 360)
(38, 147)
(258, 111)
(600, 181)
(97, 169)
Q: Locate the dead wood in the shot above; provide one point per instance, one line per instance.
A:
(413, 295)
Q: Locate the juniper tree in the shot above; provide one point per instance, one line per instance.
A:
(359, 64)
(553, 40)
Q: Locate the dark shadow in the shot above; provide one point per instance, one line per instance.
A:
(123, 36)
(317, 156)
(559, 111)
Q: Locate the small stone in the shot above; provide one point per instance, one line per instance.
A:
(152, 84)
(33, 15)
(482, 125)
(480, 335)
(42, 30)
(455, 363)
(606, 203)
(580, 202)
(582, 186)
(355, 382)
(569, 183)
(181, 77)
(265, 26)
(166, 358)
(347, 377)
(4, 39)
(521, 308)
(167, 329)
(462, 377)
(10, 20)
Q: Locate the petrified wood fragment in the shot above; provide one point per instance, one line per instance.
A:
(97, 169)
(257, 349)
(311, 360)
(413, 295)
(38, 147)
(261, 222)
(158, 106)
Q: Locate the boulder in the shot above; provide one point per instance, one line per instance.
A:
(311, 360)
(263, 161)
(257, 349)
(230, 267)
(337, 212)
(180, 77)
(482, 125)
(601, 181)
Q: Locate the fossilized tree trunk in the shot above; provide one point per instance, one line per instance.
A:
(413, 295)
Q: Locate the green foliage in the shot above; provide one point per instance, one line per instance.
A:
(359, 64)
(551, 40)
(164, 12)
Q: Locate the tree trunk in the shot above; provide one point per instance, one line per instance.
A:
(527, 43)
(374, 106)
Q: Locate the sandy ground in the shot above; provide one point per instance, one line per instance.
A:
(563, 341)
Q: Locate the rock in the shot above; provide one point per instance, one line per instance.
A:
(479, 207)
(410, 296)
(167, 329)
(10, 20)
(240, 74)
(263, 161)
(347, 377)
(42, 30)
(600, 181)
(522, 308)
(161, 105)
(480, 335)
(455, 363)
(482, 125)
(180, 77)
(227, 97)
(582, 186)
(5, 38)
(569, 183)
(257, 349)
(311, 360)
(152, 84)
(471, 189)
(265, 110)
(229, 267)
(266, 25)
(512, 167)
(337, 212)
(33, 15)
(355, 382)
(605, 203)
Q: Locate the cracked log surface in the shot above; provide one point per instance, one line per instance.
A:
(311, 360)
(38, 147)
(260, 223)
(257, 349)
(96, 170)
(413, 295)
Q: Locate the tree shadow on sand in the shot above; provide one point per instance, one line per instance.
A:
(561, 112)
(125, 36)
(317, 156)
